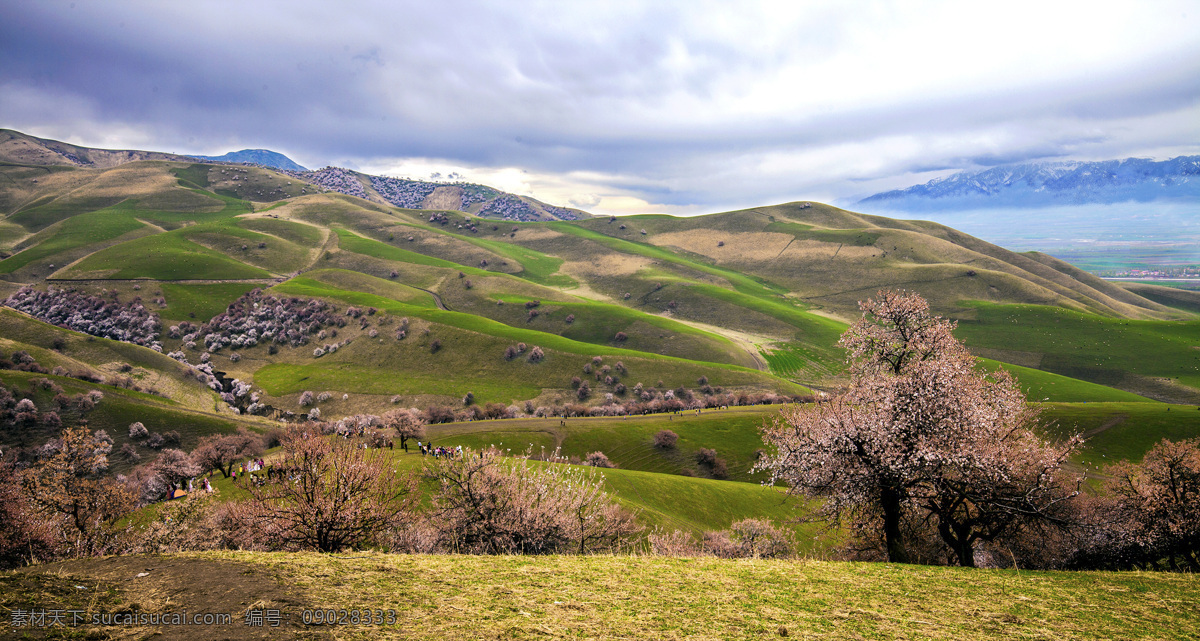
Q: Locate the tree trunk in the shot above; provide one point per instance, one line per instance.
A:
(890, 502)
(958, 539)
(965, 548)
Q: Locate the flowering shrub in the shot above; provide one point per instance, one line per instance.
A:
(130, 322)
(256, 317)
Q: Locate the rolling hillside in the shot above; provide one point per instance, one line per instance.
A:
(437, 305)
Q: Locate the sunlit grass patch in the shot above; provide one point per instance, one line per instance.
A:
(443, 597)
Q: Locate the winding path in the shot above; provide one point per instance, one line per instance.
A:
(437, 300)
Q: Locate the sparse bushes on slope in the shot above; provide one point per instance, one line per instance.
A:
(748, 538)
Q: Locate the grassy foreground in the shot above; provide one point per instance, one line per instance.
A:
(468, 597)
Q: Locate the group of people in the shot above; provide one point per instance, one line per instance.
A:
(252, 465)
(427, 449)
(178, 492)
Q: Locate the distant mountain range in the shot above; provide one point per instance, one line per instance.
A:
(486, 202)
(1042, 184)
(264, 157)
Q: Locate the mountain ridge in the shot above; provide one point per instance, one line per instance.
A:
(481, 200)
(1039, 184)
(263, 157)
(23, 149)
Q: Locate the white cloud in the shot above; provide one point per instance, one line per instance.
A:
(617, 106)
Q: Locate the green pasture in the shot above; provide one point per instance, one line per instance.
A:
(1045, 386)
(1085, 346)
(1121, 431)
(302, 286)
(275, 254)
(629, 442)
(598, 323)
(78, 231)
(200, 302)
(352, 242)
(855, 237)
(279, 379)
(44, 214)
(167, 256)
(741, 282)
(297, 233)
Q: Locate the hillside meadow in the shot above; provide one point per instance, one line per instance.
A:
(616, 597)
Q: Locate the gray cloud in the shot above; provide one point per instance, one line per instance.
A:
(687, 107)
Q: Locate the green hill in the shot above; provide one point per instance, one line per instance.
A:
(749, 301)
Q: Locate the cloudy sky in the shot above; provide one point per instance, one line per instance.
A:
(616, 107)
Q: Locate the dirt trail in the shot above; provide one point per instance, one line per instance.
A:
(748, 342)
(1107, 425)
(437, 300)
(162, 585)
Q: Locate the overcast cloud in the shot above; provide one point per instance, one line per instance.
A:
(622, 107)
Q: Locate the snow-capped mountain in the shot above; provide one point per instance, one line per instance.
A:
(1043, 184)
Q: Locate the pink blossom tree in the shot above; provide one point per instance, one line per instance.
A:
(329, 495)
(223, 451)
(922, 432)
(406, 423)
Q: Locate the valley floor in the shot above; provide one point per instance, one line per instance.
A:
(605, 597)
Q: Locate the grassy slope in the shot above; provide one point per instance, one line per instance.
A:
(718, 305)
(200, 302)
(853, 255)
(1181, 299)
(647, 597)
(78, 231)
(167, 256)
(532, 265)
(596, 323)
(270, 253)
(474, 337)
(741, 282)
(1089, 347)
(1044, 386)
(1117, 431)
(629, 443)
(298, 233)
